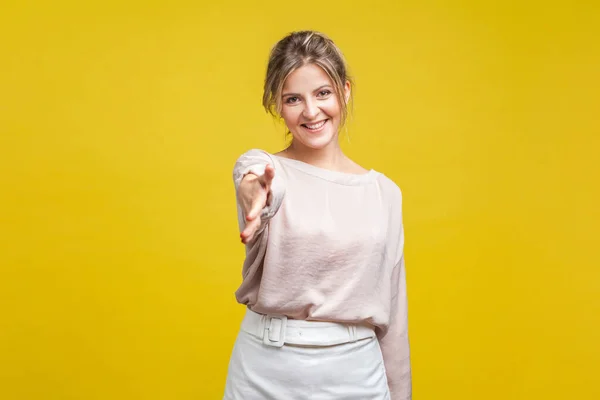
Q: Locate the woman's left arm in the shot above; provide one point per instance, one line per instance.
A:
(395, 344)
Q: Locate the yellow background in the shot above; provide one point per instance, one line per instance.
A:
(119, 128)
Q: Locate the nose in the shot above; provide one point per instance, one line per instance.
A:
(311, 110)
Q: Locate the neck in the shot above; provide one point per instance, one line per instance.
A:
(329, 157)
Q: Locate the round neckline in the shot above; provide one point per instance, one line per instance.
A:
(346, 178)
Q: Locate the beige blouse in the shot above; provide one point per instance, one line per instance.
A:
(330, 248)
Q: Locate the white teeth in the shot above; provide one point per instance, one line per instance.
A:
(316, 126)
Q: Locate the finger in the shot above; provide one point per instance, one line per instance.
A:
(249, 231)
(255, 210)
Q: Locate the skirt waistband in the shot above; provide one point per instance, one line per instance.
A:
(276, 330)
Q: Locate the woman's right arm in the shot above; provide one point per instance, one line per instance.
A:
(259, 191)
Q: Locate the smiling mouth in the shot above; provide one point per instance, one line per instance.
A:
(316, 126)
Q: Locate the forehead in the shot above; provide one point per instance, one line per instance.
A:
(306, 78)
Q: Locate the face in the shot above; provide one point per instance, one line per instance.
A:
(310, 108)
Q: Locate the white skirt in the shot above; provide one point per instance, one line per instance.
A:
(278, 359)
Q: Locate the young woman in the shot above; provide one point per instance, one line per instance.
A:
(324, 278)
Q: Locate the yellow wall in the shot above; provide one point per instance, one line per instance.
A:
(119, 127)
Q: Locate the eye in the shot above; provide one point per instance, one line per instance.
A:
(324, 93)
(291, 100)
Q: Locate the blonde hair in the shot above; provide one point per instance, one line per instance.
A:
(296, 50)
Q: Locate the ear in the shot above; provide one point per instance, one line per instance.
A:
(347, 89)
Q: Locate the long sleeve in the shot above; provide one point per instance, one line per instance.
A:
(395, 344)
(255, 161)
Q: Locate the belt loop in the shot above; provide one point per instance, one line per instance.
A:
(262, 326)
(352, 332)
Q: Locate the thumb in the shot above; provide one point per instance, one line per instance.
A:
(268, 176)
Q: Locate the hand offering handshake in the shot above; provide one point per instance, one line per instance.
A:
(254, 193)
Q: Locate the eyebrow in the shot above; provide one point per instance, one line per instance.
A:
(298, 94)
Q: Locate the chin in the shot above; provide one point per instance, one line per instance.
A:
(316, 143)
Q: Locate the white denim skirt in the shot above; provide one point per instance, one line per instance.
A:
(279, 359)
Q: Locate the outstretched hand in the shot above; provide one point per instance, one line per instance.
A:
(254, 193)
